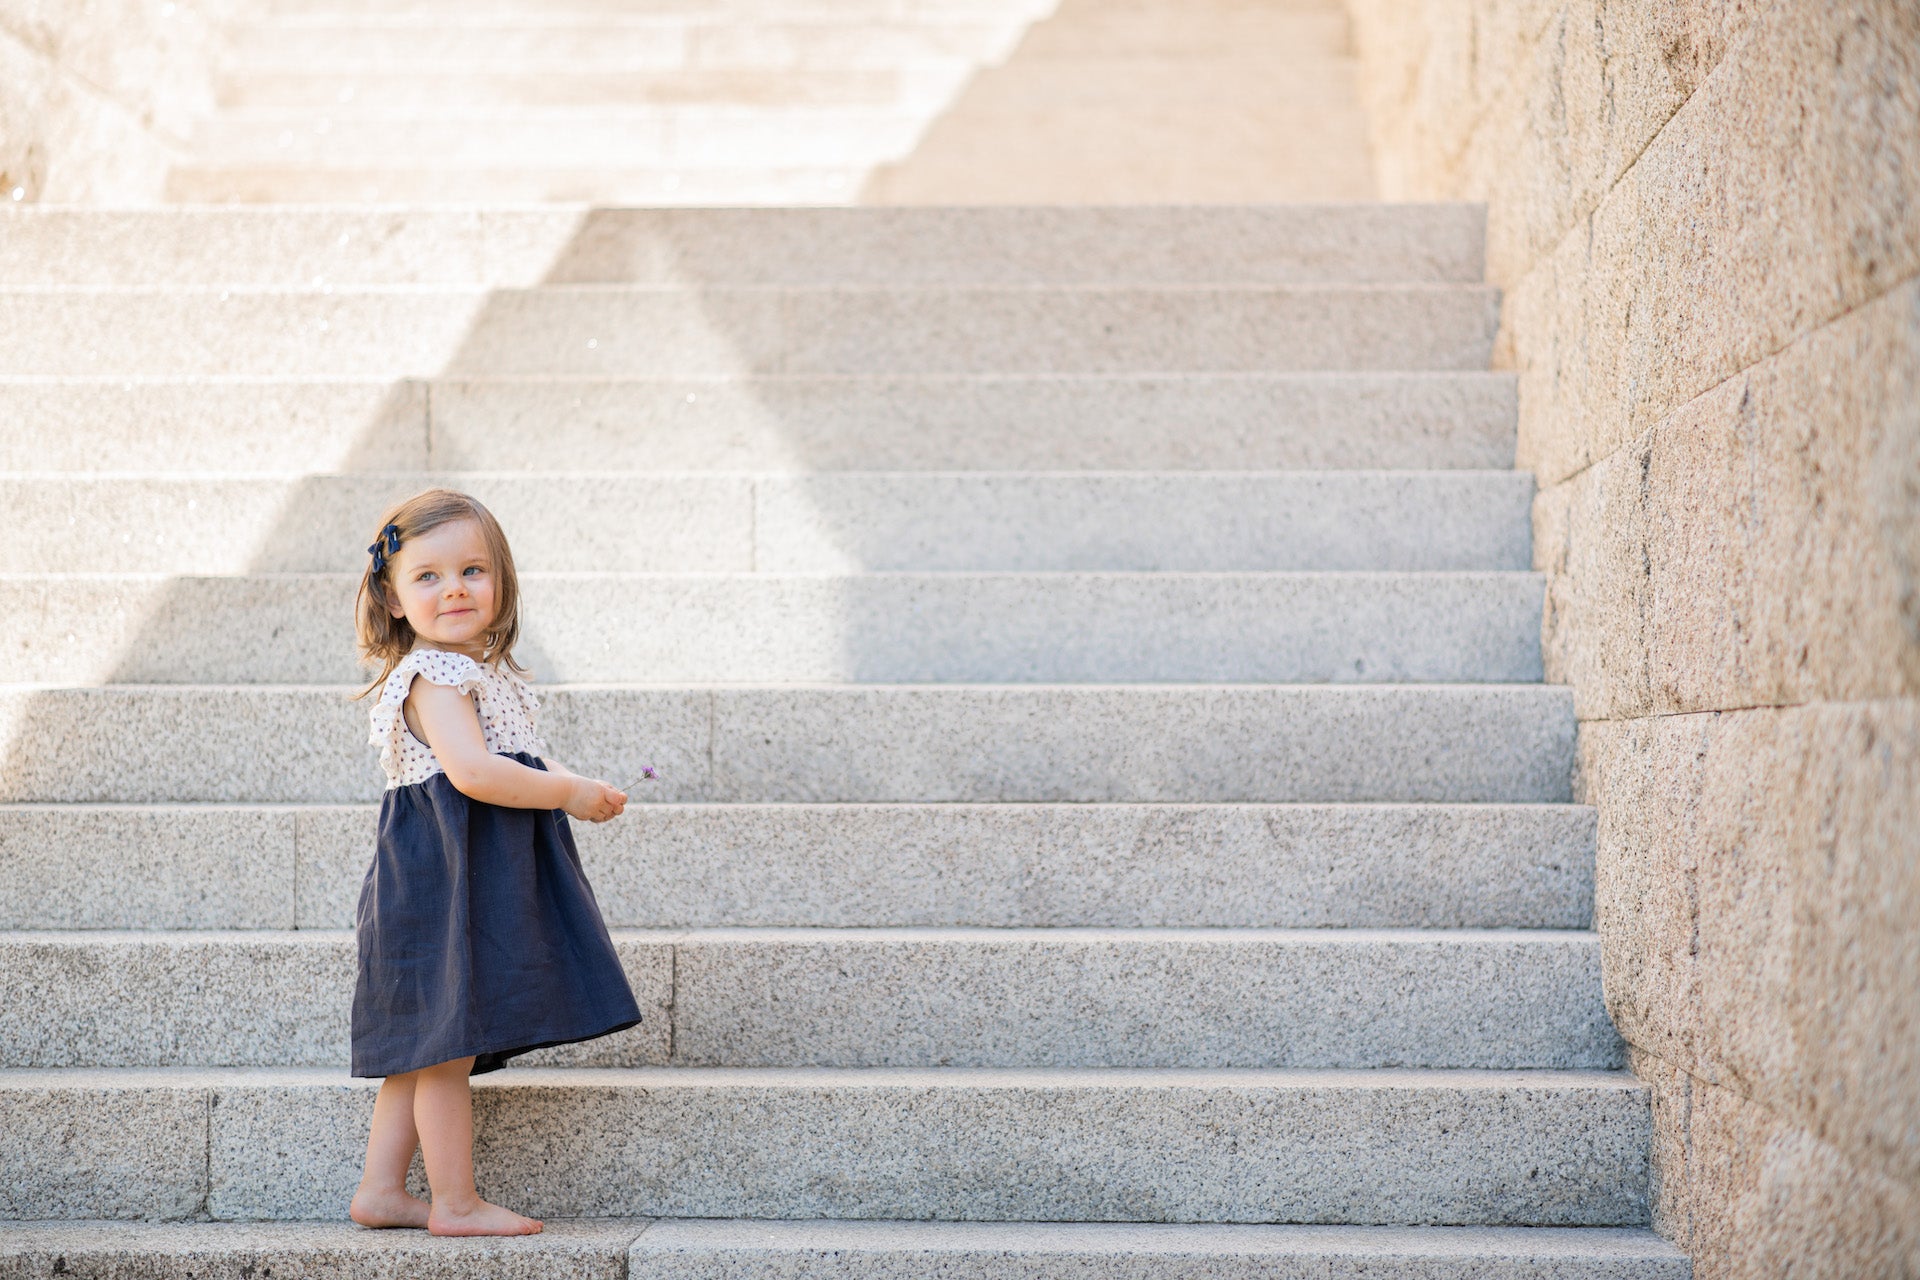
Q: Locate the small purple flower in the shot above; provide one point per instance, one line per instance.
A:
(647, 772)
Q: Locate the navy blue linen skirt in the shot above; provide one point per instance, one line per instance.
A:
(479, 936)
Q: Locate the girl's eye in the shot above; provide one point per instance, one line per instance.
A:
(474, 569)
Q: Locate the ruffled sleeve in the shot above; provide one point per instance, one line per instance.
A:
(399, 749)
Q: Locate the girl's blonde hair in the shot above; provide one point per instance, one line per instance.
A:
(385, 639)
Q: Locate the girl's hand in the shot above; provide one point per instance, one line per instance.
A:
(594, 801)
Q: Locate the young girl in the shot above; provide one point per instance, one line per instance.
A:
(479, 936)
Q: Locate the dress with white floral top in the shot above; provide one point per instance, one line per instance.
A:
(479, 935)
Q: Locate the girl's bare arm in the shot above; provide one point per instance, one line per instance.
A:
(444, 718)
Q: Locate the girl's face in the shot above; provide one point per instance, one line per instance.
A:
(443, 585)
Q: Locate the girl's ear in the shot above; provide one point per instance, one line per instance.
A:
(394, 607)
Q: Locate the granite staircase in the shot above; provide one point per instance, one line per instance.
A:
(1110, 818)
(1110, 822)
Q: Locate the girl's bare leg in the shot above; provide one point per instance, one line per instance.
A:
(443, 1113)
(382, 1200)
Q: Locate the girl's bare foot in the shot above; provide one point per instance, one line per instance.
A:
(373, 1208)
(482, 1220)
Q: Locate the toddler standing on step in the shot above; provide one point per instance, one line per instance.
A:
(479, 936)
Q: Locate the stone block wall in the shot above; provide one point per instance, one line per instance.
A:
(1705, 215)
(96, 95)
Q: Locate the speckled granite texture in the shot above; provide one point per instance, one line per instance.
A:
(731, 1249)
(1703, 215)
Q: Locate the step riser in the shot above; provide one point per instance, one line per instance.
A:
(697, 135)
(297, 13)
(1145, 1002)
(1341, 628)
(1350, 521)
(1144, 20)
(753, 1250)
(645, 137)
(1480, 866)
(432, 87)
(1241, 422)
(692, 186)
(901, 247)
(881, 247)
(1194, 422)
(857, 999)
(607, 331)
(686, 188)
(1310, 42)
(709, 1250)
(242, 1001)
(1048, 743)
(339, 1250)
(1502, 1149)
(206, 427)
(665, 45)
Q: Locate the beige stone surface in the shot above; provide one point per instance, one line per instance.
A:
(60, 139)
(564, 1250)
(1364, 1147)
(1757, 880)
(1780, 197)
(1759, 546)
(1427, 78)
(151, 58)
(1532, 107)
(1753, 1197)
(1703, 216)
(1589, 93)
(96, 99)
(190, 867)
(1139, 129)
(90, 1145)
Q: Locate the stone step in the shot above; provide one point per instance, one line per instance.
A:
(891, 627)
(826, 743)
(1302, 36)
(588, 10)
(344, 247)
(1071, 99)
(848, 865)
(1130, 131)
(696, 1249)
(760, 10)
(1313, 521)
(1414, 421)
(1390, 1147)
(411, 184)
(1299, 54)
(590, 1249)
(608, 330)
(623, 42)
(867, 997)
(737, 1250)
(696, 135)
(433, 85)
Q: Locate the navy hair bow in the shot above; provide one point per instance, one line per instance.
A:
(384, 546)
